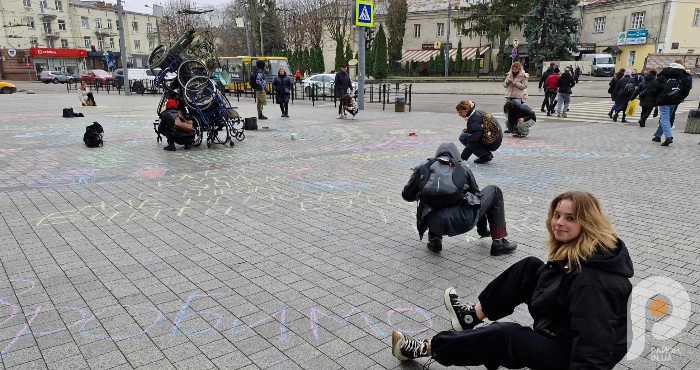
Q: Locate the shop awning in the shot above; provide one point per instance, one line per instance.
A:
(612, 50)
(424, 55)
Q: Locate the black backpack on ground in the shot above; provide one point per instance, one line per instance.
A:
(441, 182)
(93, 135)
(67, 112)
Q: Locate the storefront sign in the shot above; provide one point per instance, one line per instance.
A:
(57, 53)
(11, 52)
(637, 37)
(586, 48)
(432, 46)
(622, 38)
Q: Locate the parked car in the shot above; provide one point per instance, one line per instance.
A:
(7, 88)
(138, 78)
(324, 84)
(97, 76)
(55, 77)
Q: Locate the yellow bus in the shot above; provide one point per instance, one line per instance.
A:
(240, 69)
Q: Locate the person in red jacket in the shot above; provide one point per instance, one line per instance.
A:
(551, 93)
(297, 76)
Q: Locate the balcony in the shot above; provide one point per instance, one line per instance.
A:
(46, 13)
(104, 32)
(151, 35)
(52, 34)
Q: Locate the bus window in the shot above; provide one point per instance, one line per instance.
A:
(276, 64)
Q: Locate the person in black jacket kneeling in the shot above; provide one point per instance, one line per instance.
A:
(167, 127)
(520, 119)
(472, 134)
(578, 300)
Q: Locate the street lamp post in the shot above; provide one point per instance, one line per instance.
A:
(262, 50)
(122, 48)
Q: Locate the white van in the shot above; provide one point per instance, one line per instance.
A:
(601, 64)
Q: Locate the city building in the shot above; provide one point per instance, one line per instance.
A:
(632, 30)
(71, 36)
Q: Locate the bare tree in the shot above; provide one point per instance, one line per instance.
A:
(178, 17)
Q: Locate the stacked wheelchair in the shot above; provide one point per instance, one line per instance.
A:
(187, 80)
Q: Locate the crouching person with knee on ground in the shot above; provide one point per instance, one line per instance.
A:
(85, 95)
(578, 300)
(450, 203)
(168, 128)
(472, 137)
(520, 119)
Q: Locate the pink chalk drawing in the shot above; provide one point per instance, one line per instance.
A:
(149, 173)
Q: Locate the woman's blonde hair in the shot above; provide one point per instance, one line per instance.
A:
(596, 230)
(516, 64)
(281, 70)
(465, 105)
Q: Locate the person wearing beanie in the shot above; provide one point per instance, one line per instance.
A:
(258, 81)
(166, 127)
(625, 89)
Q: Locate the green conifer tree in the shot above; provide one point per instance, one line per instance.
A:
(381, 67)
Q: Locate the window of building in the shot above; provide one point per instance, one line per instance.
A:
(696, 18)
(47, 27)
(109, 24)
(460, 31)
(135, 26)
(30, 22)
(64, 43)
(49, 43)
(117, 24)
(440, 29)
(85, 22)
(630, 59)
(98, 23)
(43, 4)
(87, 42)
(61, 25)
(100, 43)
(151, 45)
(137, 44)
(34, 42)
(27, 3)
(638, 20)
(149, 28)
(674, 45)
(111, 42)
(599, 25)
(416, 30)
(59, 5)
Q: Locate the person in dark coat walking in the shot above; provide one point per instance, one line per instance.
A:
(577, 73)
(612, 89)
(481, 208)
(543, 79)
(578, 300)
(283, 91)
(471, 135)
(564, 84)
(551, 94)
(520, 119)
(342, 84)
(671, 87)
(647, 96)
(625, 88)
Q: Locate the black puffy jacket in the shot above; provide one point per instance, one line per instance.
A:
(646, 92)
(565, 83)
(587, 308)
(674, 71)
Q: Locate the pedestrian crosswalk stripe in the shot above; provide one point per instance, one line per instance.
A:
(596, 112)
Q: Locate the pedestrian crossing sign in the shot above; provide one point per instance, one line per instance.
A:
(364, 13)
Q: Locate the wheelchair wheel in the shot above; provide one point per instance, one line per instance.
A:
(198, 131)
(157, 56)
(199, 92)
(189, 69)
(219, 132)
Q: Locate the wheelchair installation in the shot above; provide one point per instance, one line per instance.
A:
(187, 80)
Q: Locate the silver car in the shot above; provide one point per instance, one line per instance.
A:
(55, 77)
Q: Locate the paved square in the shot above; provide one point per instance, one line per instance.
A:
(285, 254)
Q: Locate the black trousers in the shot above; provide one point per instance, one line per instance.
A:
(91, 99)
(284, 107)
(492, 210)
(550, 97)
(673, 114)
(509, 345)
(646, 111)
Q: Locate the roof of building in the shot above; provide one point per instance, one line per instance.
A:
(423, 6)
(102, 5)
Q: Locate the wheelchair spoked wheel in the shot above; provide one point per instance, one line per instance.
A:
(218, 133)
(198, 131)
(199, 92)
(189, 69)
(157, 56)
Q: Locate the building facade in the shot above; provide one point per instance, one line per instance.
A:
(71, 36)
(631, 30)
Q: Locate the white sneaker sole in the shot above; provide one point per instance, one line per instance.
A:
(456, 326)
(396, 338)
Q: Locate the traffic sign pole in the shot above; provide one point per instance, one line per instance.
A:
(364, 17)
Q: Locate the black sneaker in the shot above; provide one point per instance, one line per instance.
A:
(188, 146)
(462, 314)
(407, 348)
(656, 139)
(260, 116)
(170, 148)
(667, 142)
(502, 246)
(435, 244)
